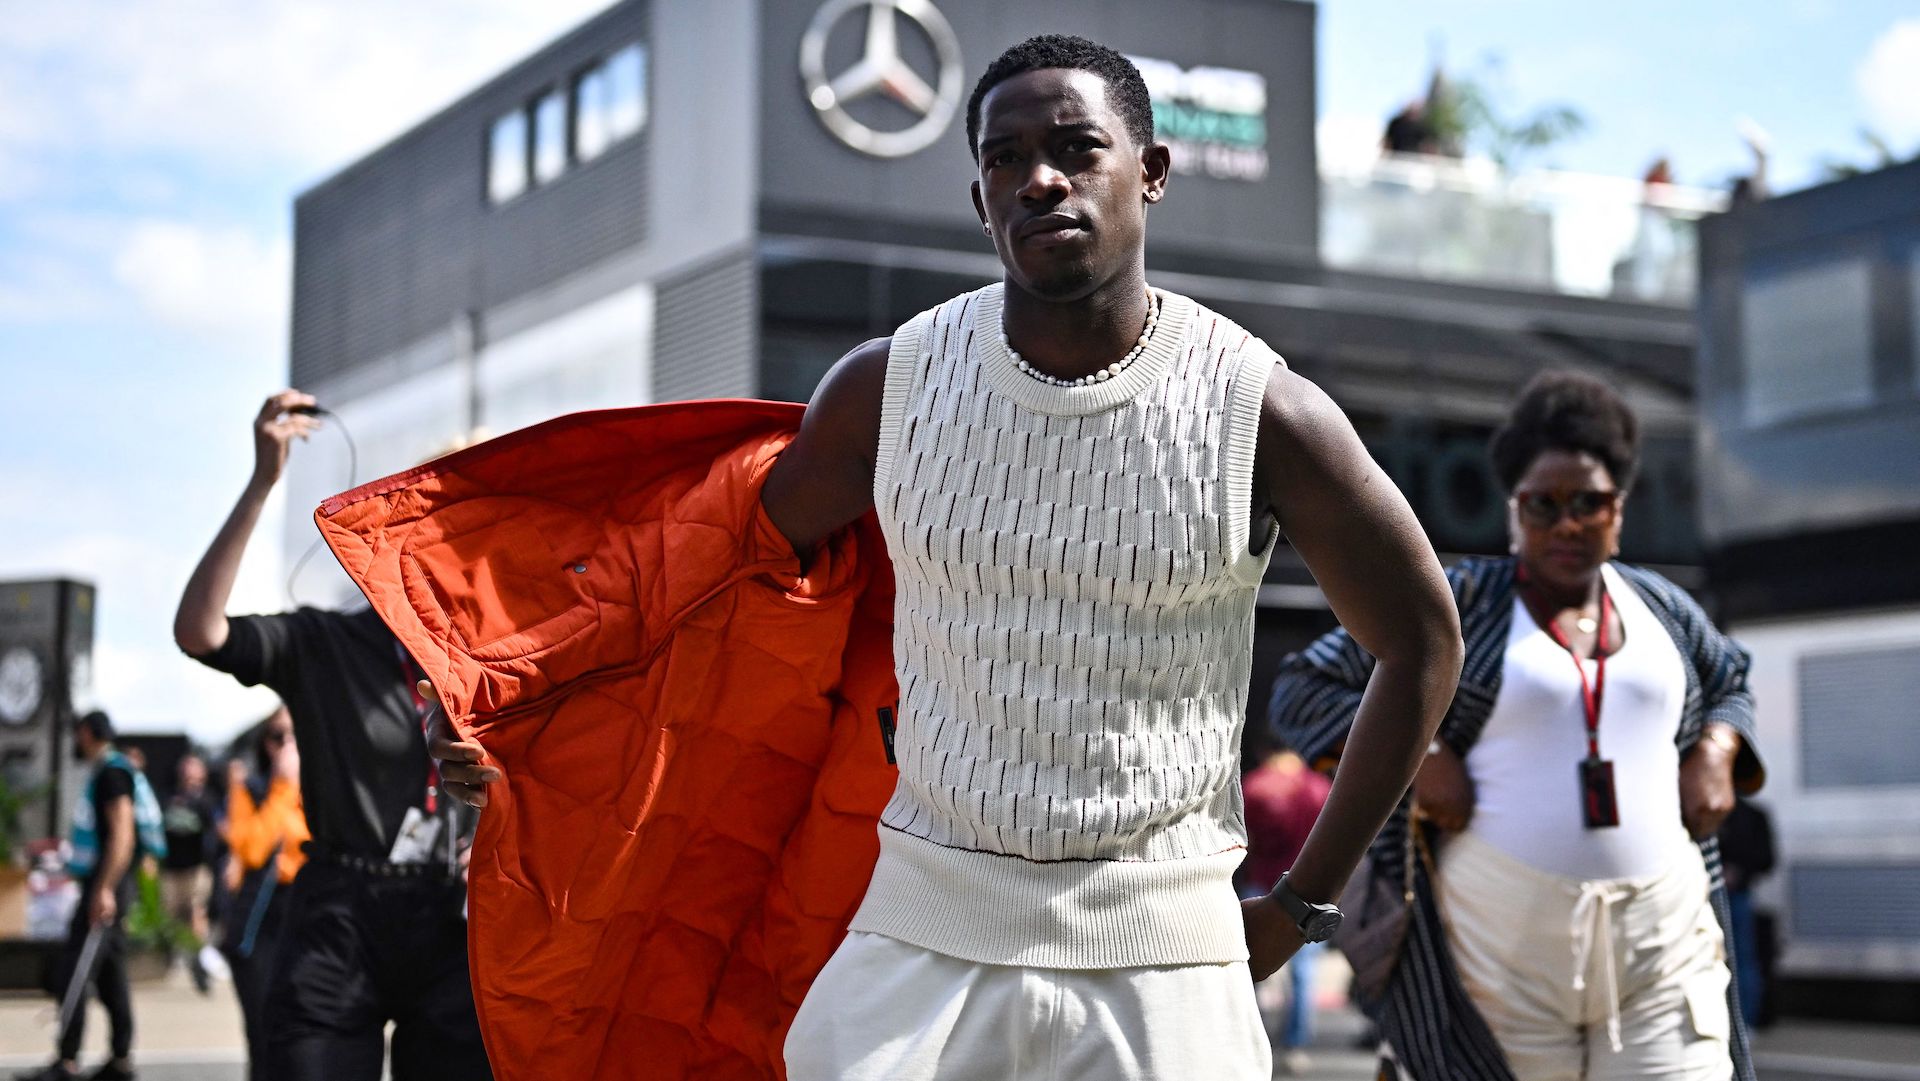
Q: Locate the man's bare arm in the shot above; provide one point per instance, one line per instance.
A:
(820, 484)
(118, 828)
(1380, 575)
(200, 623)
(824, 480)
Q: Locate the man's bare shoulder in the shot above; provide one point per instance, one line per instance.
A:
(824, 480)
(851, 391)
(1295, 414)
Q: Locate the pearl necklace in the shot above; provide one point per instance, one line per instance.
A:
(1104, 374)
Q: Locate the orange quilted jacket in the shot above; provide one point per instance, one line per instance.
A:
(688, 729)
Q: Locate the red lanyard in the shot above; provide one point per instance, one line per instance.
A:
(421, 710)
(1590, 694)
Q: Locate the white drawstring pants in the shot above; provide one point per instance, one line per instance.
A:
(883, 1010)
(1590, 981)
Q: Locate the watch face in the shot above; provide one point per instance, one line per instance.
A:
(1321, 925)
(19, 686)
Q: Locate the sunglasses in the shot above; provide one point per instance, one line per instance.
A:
(1543, 510)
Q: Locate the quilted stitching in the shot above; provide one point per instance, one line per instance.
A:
(686, 727)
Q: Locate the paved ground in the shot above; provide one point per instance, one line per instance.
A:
(181, 1035)
(184, 1036)
(1826, 1051)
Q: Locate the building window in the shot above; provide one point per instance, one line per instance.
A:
(609, 102)
(606, 103)
(549, 137)
(591, 129)
(627, 92)
(507, 157)
(1807, 332)
(1855, 707)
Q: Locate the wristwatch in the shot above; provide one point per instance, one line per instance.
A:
(1317, 922)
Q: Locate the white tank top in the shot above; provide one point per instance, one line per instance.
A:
(1073, 630)
(1524, 768)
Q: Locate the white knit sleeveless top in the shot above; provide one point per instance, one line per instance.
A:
(1073, 630)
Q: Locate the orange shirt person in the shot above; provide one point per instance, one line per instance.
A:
(272, 827)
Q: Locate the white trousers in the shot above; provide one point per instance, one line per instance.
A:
(1590, 981)
(883, 1010)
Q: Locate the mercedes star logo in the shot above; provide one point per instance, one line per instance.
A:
(881, 70)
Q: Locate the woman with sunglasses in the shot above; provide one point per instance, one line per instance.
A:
(1566, 920)
(266, 825)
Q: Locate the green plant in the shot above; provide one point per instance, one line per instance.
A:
(13, 802)
(1465, 114)
(1883, 157)
(148, 924)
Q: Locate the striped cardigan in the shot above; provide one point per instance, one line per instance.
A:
(1425, 1014)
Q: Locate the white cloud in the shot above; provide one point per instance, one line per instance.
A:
(142, 149)
(1889, 83)
(96, 536)
(122, 120)
(307, 84)
(1348, 142)
(224, 282)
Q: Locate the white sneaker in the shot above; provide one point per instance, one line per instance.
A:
(214, 963)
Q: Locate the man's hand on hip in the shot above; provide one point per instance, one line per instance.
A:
(1272, 936)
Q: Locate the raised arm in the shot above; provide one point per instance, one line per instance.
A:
(1381, 577)
(200, 623)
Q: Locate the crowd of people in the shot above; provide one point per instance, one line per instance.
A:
(1509, 774)
(201, 853)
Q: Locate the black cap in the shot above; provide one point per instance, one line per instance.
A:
(98, 724)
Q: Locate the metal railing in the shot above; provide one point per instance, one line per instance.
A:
(1471, 221)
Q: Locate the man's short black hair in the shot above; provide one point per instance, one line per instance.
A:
(1126, 90)
(98, 725)
(1571, 412)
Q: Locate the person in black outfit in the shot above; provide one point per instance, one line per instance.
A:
(376, 929)
(1409, 132)
(104, 851)
(1747, 854)
(192, 819)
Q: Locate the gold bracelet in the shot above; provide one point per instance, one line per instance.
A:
(1723, 738)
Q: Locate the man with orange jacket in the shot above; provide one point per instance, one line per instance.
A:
(1079, 479)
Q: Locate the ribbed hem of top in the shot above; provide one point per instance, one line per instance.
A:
(1082, 914)
(1005, 377)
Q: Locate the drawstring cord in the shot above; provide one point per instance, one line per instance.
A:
(1591, 927)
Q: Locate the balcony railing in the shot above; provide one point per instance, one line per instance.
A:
(1470, 221)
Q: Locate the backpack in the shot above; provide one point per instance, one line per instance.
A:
(149, 823)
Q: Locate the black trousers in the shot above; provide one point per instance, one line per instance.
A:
(252, 971)
(109, 981)
(361, 950)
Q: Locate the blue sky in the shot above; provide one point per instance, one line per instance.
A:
(149, 154)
